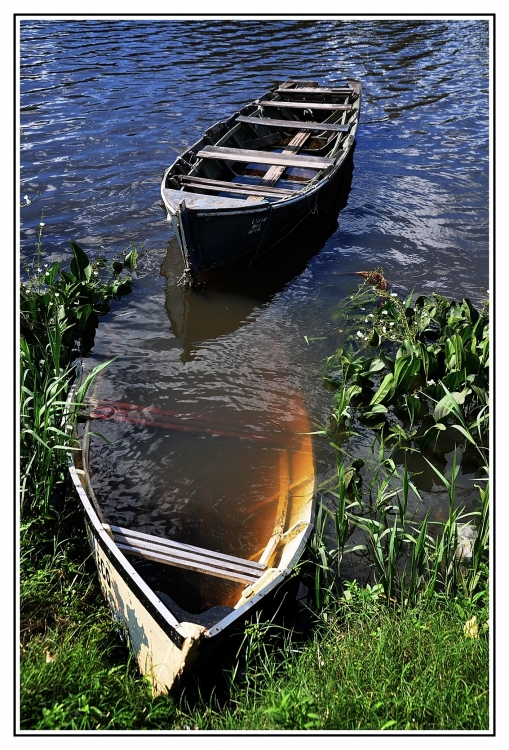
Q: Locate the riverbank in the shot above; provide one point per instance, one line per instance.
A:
(410, 650)
(369, 667)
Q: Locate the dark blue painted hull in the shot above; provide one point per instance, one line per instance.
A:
(219, 234)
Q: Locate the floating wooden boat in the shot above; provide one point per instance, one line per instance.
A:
(251, 180)
(167, 640)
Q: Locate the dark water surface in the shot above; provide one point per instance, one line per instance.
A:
(105, 108)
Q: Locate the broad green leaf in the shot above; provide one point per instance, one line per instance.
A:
(80, 265)
(412, 404)
(379, 409)
(424, 357)
(384, 390)
(131, 259)
(472, 313)
(375, 339)
(449, 403)
(408, 300)
(376, 365)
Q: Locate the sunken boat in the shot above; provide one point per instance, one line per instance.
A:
(153, 581)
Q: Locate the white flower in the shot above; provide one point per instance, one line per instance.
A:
(41, 223)
(430, 382)
(393, 294)
(384, 312)
(391, 324)
(384, 329)
(371, 315)
(57, 294)
(27, 200)
(360, 334)
(366, 320)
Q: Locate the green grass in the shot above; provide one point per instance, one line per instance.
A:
(368, 667)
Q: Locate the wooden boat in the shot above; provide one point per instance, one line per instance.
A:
(252, 179)
(167, 640)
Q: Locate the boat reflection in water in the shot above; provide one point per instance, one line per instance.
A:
(223, 306)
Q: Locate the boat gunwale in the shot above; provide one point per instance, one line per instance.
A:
(146, 596)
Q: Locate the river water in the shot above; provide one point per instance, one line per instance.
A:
(106, 105)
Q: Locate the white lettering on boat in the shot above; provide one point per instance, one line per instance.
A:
(257, 225)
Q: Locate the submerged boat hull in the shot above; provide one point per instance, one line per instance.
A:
(219, 233)
(168, 647)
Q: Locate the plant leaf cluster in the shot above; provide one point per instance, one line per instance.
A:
(71, 300)
(430, 368)
(59, 314)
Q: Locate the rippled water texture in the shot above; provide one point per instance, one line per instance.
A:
(105, 108)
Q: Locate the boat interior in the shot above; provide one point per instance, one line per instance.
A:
(205, 585)
(272, 148)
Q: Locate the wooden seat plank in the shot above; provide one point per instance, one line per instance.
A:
(264, 157)
(172, 545)
(176, 556)
(187, 564)
(180, 553)
(297, 82)
(294, 124)
(234, 187)
(345, 91)
(303, 105)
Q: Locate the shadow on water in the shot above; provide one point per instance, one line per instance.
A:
(224, 306)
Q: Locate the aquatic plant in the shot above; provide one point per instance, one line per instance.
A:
(59, 312)
(70, 300)
(430, 370)
(410, 373)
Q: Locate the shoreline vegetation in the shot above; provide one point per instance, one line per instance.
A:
(408, 649)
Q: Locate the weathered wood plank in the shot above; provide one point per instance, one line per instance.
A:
(264, 157)
(197, 201)
(345, 91)
(234, 187)
(294, 124)
(172, 545)
(142, 547)
(303, 105)
(275, 172)
(177, 562)
(297, 81)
